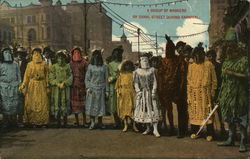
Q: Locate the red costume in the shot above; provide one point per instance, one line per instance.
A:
(79, 67)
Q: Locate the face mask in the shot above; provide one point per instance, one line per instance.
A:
(7, 56)
(60, 61)
(36, 57)
(144, 62)
(76, 56)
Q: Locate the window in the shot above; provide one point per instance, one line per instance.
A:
(12, 20)
(31, 35)
(48, 33)
(33, 19)
(28, 19)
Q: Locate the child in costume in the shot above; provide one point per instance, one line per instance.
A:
(125, 94)
(60, 80)
(146, 107)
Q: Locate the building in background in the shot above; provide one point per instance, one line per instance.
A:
(59, 26)
(6, 34)
(127, 47)
(218, 10)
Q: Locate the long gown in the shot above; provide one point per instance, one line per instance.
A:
(78, 92)
(60, 98)
(125, 95)
(113, 68)
(202, 84)
(10, 79)
(36, 109)
(146, 107)
(96, 82)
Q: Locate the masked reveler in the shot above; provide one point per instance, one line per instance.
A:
(171, 78)
(78, 93)
(201, 87)
(10, 79)
(35, 89)
(233, 95)
(113, 68)
(22, 62)
(96, 82)
(60, 80)
(211, 56)
(125, 94)
(147, 106)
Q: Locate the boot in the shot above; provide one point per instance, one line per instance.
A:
(231, 136)
(155, 132)
(125, 124)
(147, 131)
(243, 133)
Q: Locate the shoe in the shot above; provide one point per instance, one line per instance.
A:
(146, 132)
(92, 126)
(194, 136)
(242, 148)
(156, 134)
(125, 129)
(101, 126)
(135, 128)
(180, 135)
(209, 138)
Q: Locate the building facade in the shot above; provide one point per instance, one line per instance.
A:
(6, 34)
(59, 26)
(127, 47)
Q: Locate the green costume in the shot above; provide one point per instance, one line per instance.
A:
(233, 97)
(60, 97)
(113, 68)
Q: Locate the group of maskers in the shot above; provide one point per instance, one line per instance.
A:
(36, 91)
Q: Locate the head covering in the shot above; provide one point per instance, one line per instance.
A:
(6, 55)
(76, 55)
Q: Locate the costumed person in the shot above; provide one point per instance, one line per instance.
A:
(170, 76)
(10, 79)
(233, 95)
(35, 89)
(78, 93)
(184, 51)
(146, 101)
(201, 87)
(113, 68)
(96, 82)
(211, 56)
(60, 80)
(49, 56)
(23, 62)
(125, 94)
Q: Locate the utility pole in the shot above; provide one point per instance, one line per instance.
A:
(138, 32)
(85, 27)
(156, 43)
